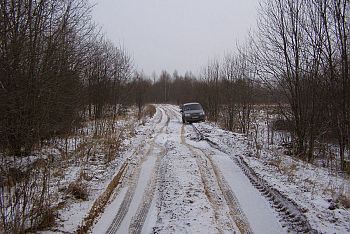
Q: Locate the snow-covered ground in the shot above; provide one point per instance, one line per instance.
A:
(316, 191)
(83, 166)
(175, 183)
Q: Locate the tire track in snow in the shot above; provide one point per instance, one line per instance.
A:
(240, 221)
(291, 214)
(236, 213)
(140, 217)
(124, 207)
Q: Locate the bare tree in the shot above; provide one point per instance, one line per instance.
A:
(312, 38)
(281, 55)
(210, 89)
(140, 87)
(40, 72)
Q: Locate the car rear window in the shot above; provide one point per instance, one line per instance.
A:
(192, 107)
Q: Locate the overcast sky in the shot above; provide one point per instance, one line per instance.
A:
(175, 34)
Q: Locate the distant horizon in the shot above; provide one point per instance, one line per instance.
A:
(175, 35)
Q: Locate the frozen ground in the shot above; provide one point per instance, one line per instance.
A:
(316, 191)
(176, 183)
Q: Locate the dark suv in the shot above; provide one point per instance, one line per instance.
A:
(192, 112)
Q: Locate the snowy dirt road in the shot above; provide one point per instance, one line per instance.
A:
(176, 183)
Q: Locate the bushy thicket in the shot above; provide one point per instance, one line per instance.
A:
(54, 67)
(303, 54)
(55, 71)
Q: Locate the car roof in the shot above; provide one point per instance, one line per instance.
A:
(191, 103)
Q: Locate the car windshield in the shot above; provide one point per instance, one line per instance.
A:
(192, 107)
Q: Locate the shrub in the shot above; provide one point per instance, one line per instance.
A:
(78, 190)
(344, 201)
(282, 125)
(149, 111)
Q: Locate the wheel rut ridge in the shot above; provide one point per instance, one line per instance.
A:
(139, 219)
(161, 116)
(175, 113)
(123, 209)
(291, 214)
(239, 216)
(201, 161)
(236, 212)
(141, 214)
(161, 181)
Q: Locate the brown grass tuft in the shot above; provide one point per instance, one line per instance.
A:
(78, 190)
(149, 111)
(344, 201)
(48, 219)
(85, 176)
(101, 202)
(276, 162)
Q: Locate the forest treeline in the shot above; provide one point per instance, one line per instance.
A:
(225, 95)
(57, 73)
(57, 69)
(298, 59)
(302, 52)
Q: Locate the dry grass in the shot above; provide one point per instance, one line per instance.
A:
(47, 220)
(58, 172)
(85, 176)
(105, 144)
(150, 111)
(101, 202)
(344, 201)
(276, 162)
(82, 149)
(286, 169)
(289, 171)
(78, 190)
(111, 145)
(330, 189)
